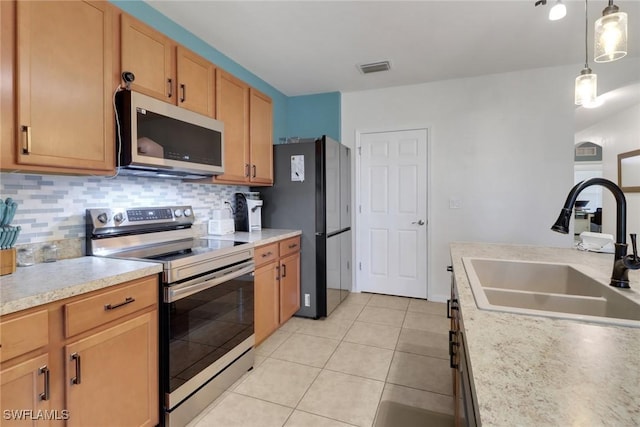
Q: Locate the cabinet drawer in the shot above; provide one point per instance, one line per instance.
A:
(265, 254)
(290, 246)
(94, 311)
(24, 334)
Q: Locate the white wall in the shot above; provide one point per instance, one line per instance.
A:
(617, 134)
(501, 143)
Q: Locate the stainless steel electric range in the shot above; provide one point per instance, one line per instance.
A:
(206, 307)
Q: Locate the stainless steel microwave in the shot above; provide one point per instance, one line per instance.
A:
(154, 138)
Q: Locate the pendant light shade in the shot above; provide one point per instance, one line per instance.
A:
(586, 90)
(586, 87)
(558, 11)
(610, 41)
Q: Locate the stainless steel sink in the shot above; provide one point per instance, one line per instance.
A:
(548, 289)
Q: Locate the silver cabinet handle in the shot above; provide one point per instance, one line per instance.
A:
(419, 222)
(77, 379)
(183, 88)
(170, 87)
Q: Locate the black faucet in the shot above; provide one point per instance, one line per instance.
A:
(621, 262)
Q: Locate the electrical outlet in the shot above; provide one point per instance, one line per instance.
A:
(307, 300)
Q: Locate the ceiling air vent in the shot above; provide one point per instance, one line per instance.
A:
(586, 151)
(374, 67)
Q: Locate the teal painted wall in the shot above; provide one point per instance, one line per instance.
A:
(314, 115)
(155, 19)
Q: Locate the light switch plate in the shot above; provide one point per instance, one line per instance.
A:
(455, 203)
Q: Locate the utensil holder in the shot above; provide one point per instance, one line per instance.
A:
(7, 261)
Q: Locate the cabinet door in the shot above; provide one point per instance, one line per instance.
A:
(112, 376)
(195, 82)
(23, 387)
(289, 286)
(148, 54)
(260, 137)
(232, 108)
(65, 84)
(267, 316)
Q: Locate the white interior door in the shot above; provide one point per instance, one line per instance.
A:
(392, 213)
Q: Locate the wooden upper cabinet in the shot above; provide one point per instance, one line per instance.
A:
(165, 70)
(64, 85)
(195, 82)
(260, 137)
(148, 54)
(232, 107)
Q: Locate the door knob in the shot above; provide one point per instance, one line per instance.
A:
(419, 222)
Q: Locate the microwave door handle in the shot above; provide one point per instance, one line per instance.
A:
(175, 293)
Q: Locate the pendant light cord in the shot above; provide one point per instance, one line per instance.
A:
(586, 31)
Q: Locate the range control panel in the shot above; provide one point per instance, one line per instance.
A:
(114, 220)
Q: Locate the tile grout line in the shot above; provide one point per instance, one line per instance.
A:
(351, 324)
(389, 368)
(319, 372)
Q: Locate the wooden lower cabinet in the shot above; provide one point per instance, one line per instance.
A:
(109, 376)
(266, 297)
(289, 286)
(277, 285)
(103, 375)
(22, 389)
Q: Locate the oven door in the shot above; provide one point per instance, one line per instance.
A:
(207, 323)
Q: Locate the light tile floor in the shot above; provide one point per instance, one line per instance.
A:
(337, 371)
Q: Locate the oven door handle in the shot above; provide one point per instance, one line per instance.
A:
(177, 292)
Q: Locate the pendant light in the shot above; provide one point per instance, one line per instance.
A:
(610, 35)
(558, 11)
(587, 82)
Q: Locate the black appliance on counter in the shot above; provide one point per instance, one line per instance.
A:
(206, 301)
(312, 192)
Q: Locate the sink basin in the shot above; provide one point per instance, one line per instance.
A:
(548, 289)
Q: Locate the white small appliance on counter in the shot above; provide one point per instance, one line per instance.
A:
(221, 223)
(248, 211)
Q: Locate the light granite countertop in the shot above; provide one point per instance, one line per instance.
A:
(539, 371)
(47, 282)
(258, 238)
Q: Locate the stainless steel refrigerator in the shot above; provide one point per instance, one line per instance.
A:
(312, 193)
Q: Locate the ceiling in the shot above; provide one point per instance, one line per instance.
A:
(306, 46)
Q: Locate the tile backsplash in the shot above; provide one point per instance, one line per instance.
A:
(52, 207)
